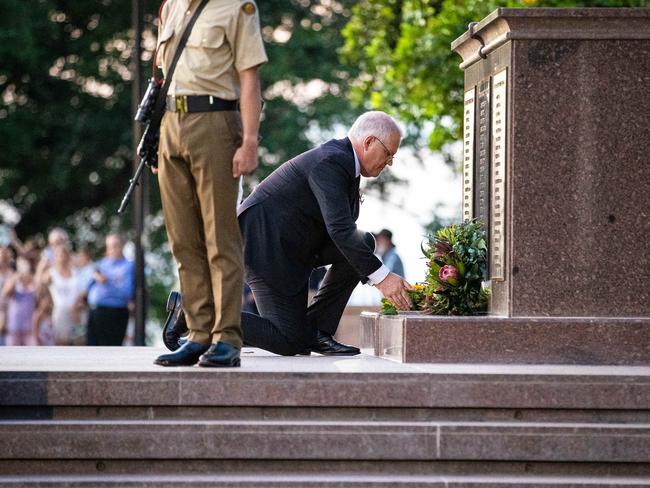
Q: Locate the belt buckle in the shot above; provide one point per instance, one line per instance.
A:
(181, 104)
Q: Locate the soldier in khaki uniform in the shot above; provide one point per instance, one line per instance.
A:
(207, 142)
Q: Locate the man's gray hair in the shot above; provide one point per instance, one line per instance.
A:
(375, 123)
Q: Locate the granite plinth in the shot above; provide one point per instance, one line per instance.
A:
(514, 340)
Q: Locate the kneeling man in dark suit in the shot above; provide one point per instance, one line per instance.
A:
(302, 217)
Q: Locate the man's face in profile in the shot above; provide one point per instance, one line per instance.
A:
(378, 154)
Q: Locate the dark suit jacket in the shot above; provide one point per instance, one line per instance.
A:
(308, 203)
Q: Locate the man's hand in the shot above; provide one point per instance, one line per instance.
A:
(395, 288)
(100, 278)
(245, 160)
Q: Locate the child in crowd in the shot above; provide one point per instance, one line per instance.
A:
(20, 292)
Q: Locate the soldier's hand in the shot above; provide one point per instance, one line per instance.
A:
(395, 288)
(154, 169)
(245, 160)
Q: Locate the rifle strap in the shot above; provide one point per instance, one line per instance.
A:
(161, 102)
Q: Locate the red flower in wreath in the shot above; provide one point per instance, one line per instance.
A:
(448, 274)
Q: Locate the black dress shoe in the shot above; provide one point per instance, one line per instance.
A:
(175, 326)
(221, 355)
(187, 355)
(326, 345)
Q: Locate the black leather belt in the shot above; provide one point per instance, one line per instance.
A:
(200, 103)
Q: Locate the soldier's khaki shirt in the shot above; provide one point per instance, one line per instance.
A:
(224, 40)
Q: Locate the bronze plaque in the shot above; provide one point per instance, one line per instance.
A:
(498, 176)
(468, 154)
(482, 167)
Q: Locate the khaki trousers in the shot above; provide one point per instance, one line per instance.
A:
(199, 199)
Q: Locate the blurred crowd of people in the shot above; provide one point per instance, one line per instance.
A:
(54, 296)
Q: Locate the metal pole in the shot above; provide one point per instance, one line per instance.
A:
(141, 191)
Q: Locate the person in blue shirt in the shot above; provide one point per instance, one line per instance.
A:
(109, 296)
(386, 251)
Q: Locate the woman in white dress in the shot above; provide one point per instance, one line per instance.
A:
(64, 290)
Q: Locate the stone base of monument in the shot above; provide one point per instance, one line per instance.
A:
(82, 417)
(501, 340)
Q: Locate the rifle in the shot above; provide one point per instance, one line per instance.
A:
(133, 182)
(148, 147)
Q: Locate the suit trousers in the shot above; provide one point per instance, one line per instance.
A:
(199, 200)
(286, 324)
(107, 326)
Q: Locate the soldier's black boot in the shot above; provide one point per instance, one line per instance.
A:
(175, 326)
(221, 355)
(186, 355)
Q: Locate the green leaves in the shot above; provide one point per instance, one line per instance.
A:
(457, 259)
(66, 115)
(66, 84)
(406, 65)
(387, 307)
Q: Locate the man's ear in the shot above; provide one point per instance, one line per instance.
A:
(366, 142)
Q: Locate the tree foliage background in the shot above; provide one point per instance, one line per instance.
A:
(401, 49)
(65, 83)
(65, 112)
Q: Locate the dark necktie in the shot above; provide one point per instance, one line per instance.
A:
(356, 198)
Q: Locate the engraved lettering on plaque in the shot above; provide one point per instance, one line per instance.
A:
(482, 169)
(468, 154)
(497, 221)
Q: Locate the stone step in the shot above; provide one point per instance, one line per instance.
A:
(320, 480)
(361, 413)
(114, 377)
(100, 413)
(203, 439)
(263, 467)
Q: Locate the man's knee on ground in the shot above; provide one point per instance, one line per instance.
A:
(292, 350)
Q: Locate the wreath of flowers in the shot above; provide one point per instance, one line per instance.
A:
(456, 264)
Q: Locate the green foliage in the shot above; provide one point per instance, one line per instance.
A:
(457, 259)
(417, 297)
(456, 263)
(402, 50)
(66, 109)
(387, 307)
(66, 112)
(304, 82)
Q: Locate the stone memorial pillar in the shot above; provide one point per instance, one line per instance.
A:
(556, 162)
(556, 158)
